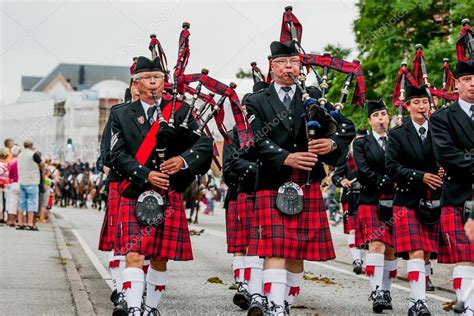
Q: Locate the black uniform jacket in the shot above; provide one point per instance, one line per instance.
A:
(229, 176)
(278, 132)
(370, 160)
(129, 127)
(407, 159)
(341, 172)
(452, 133)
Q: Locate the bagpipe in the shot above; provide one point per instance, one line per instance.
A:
(320, 122)
(203, 107)
(420, 77)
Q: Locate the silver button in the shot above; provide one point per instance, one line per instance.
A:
(411, 178)
(402, 190)
(449, 178)
(279, 149)
(134, 172)
(197, 156)
(146, 180)
(139, 166)
(129, 178)
(191, 151)
(154, 161)
(343, 130)
(414, 173)
(344, 124)
(336, 133)
(294, 145)
(289, 117)
(268, 142)
(272, 147)
(250, 167)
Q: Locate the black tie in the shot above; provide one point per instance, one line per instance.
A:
(150, 112)
(384, 141)
(286, 98)
(472, 112)
(422, 132)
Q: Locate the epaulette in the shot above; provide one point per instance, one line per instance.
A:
(120, 105)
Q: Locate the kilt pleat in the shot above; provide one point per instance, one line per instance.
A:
(370, 228)
(108, 231)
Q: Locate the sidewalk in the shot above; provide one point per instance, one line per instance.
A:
(33, 277)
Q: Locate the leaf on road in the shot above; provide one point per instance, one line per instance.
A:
(215, 280)
(233, 287)
(320, 279)
(448, 306)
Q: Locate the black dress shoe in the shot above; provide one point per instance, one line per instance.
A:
(151, 311)
(242, 297)
(113, 297)
(388, 300)
(429, 285)
(357, 264)
(258, 305)
(121, 307)
(419, 309)
(378, 301)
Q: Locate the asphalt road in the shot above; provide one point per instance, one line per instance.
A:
(333, 290)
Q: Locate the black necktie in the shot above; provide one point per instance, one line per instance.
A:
(383, 139)
(286, 98)
(150, 112)
(472, 112)
(422, 132)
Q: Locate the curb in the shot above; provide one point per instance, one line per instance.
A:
(81, 299)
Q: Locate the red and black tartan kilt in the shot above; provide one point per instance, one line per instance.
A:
(169, 241)
(245, 212)
(454, 246)
(409, 234)
(305, 236)
(233, 226)
(370, 228)
(348, 220)
(108, 232)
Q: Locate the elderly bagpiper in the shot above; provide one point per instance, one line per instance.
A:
(290, 212)
(411, 164)
(345, 177)
(157, 165)
(452, 132)
(374, 214)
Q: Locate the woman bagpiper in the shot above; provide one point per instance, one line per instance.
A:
(373, 230)
(411, 164)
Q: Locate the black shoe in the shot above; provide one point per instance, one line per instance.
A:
(388, 300)
(429, 285)
(258, 305)
(419, 309)
(378, 300)
(114, 297)
(152, 311)
(357, 264)
(287, 308)
(242, 297)
(121, 307)
(276, 310)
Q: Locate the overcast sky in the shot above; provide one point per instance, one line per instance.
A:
(225, 35)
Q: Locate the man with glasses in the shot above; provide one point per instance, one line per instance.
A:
(285, 156)
(134, 155)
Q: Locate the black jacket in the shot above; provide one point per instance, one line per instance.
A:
(341, 172)
(229, 176)
(406, 162)
(128, 130)
(370, 160)
(277, 134)
(452, 132)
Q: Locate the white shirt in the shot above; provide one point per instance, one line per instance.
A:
(146, 106)
(465, 106)
(281, 93)
(417, 127)
(377, 138)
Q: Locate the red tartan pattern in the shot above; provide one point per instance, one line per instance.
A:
(409, 234)
(232, 225)
(454, 247)
(305, 236)
(169, 241)
(349, 222)
(245, 211)
(108, 231)
(370, 228)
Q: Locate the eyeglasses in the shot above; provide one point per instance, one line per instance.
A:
(149, 78)
(283, 62)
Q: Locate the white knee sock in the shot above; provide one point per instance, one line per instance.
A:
(293, 285)
(355, 252)
(274, 286)
(389, 273)
(417, 279)
(374, 270)
(133, 286)
(116, 267)
(253, 274)
(238, 265)
(156, 282)
(462, 278)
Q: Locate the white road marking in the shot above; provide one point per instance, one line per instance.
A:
(94, 260)
(327, 266)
